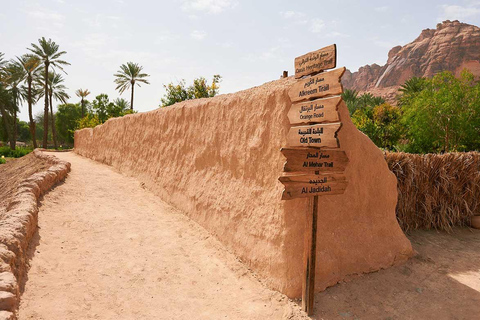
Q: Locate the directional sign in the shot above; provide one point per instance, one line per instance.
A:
(307, 185)
(318, 135)
(321, 85)
(313, 160)
(316, 61)
(316, 111)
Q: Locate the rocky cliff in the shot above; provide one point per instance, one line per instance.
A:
(452, 46)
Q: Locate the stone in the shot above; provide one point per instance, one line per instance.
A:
(8, 282)
(7, 315)
(8, 301)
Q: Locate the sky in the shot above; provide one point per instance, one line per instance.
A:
(247, 42)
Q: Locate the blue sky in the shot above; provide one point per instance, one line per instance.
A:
(247, 42)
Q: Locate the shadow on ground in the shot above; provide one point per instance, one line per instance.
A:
(441, 282)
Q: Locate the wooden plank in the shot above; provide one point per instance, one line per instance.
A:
(307, 185)
(321, 85)
(309, 257)
(317, 135)
(310, 160)
(315, 111)
(316, 61)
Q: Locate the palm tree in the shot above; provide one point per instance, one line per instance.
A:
(56, 90)
(82, 94)
(410, 88)
(30, 64)
(6, 102)
(127, 76)
(47, 52)
(13, 77)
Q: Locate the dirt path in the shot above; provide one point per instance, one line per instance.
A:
(108, 249)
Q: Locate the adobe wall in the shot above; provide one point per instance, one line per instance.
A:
(218, 160)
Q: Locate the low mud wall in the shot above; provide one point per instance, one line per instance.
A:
(17, 227)
(218, 160)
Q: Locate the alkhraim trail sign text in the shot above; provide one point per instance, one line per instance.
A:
(315, 164)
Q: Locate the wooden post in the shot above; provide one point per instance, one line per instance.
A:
(309, 256)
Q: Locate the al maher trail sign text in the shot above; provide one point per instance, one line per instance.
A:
(315, 164)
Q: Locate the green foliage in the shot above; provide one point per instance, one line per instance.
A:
(23, 130)
(411, 88)
(104, 109)
(100, 107)
(2, 160)
(199, 89)
(66, 120)
(17, 153)
(445, 115)
(89, 121)
(355, 102)
(381, 123)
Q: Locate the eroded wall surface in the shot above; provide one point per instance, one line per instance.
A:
(218, 160)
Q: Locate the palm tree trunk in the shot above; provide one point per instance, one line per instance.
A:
(30, 115)
(83, 114)
(131, 99)
(6, 125)
(45, 110)
(54, 132)
(14, 140)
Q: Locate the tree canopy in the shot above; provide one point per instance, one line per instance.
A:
(198, 89)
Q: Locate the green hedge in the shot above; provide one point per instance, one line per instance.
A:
(17, 153)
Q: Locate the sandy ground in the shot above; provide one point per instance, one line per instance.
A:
(441, 282)
(109, 249)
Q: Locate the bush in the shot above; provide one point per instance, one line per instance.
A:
(17, 153)
(2, 160)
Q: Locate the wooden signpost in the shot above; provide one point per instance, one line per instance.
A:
(307, 185)
(316, 61)
(315, 165)
(320, 110)
(311, 160)
(317, 135)
(321, 85)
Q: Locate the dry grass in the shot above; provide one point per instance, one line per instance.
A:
(436, 191)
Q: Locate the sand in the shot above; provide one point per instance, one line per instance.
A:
(109, 249)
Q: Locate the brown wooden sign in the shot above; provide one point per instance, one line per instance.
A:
(318, 135)
(315, 111)
(316, 61)
(307, 185)
(311, 160)
(321, 85)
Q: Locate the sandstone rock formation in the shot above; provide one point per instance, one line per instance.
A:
(218, 160)
(452, 46)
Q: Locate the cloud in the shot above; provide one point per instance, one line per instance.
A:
(48, 16)
(47, 21)
(198, 34)
(335, 34)
(294, 16)
(382, 9)
(209, 6)
(317, 25)
(100, 21)
(455, 12)
(272, 54)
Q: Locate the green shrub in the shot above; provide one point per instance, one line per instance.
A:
(2, 160)
(17, 153)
